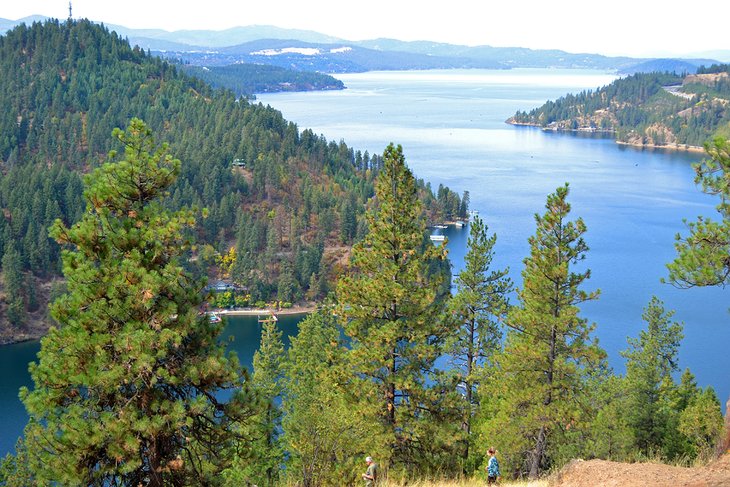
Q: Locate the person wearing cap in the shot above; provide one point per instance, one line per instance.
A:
(371, 474)
(492, 467)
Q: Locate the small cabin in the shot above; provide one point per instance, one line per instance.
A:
(221, 287)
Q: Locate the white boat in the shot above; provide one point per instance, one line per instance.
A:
(437, 238)
(459, 224)
(268, 317)
(442, 227)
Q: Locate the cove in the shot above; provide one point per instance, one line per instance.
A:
(242, 335)
(451, 126)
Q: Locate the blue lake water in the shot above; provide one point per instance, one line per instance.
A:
(242, 334)
(451, 126)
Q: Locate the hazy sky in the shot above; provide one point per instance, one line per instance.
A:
(613, 27)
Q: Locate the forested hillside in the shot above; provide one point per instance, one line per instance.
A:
(248, 79)
(289, 203)
(654, 109)
(134, 387)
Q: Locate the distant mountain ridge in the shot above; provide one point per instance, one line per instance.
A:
(237, 45)
(227, 37)
(326, 58)
(677, 66)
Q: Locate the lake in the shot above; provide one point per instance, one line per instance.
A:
(451, 126)
(242, 334)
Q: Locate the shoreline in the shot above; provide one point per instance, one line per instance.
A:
(16, 341)
(295, 310)
(672, 147)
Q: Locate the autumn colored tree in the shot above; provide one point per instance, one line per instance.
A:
(127, 387)
(701, 423)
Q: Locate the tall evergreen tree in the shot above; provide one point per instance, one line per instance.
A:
(610, 436)
(464, 208)
(388, 304)
(480, 303)
(268, 369)
(348, 221)
(126, 388)
(650, 361)
(701, 423)
(703, 258)
(13, 281)
(548, 353)
(327, 426)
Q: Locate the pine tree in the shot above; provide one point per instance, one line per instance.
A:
(262, 464)
(267, 375)
(388, 303)
(548, 353)
(480, 303)
(702, 423)
(650, 361)
(464, 208)
(14, 471)
(703, 258)
(610, 436)
(13, 280)
(327, 426)
(126, 388)
(348, 221)
(287, 288)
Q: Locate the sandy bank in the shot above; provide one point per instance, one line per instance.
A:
(295, 310)
(674, 147)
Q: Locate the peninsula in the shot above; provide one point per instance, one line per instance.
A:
(652, 110)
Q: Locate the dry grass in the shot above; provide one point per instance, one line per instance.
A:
(463, 483)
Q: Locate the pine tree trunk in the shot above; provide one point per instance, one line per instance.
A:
(724, 446)
(155, 464)
(540, 446)
(538, 454)
(470, 358)
(390, 394)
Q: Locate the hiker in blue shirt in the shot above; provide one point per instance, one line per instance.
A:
(493, 474)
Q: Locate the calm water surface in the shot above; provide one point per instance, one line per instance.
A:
(242, 334)
(451, 126)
